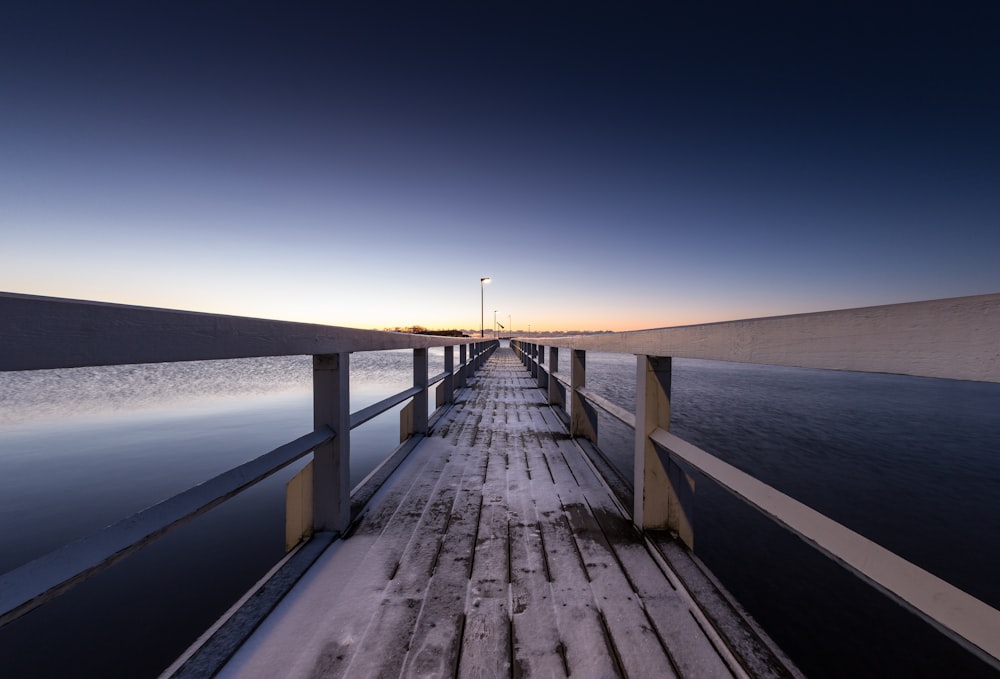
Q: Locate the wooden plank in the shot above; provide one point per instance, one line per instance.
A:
(672, 612)
(388, 528)
(436, 641)
(536, 646)
(584, 640)
(404, 594)
(640, 650)
(486, 637)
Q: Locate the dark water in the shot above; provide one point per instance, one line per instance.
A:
(83, 448)
(911, 463)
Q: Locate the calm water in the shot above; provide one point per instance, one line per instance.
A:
(912, 463)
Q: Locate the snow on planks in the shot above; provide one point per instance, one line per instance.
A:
(493, 551)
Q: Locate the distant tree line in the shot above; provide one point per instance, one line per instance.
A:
(421, 330)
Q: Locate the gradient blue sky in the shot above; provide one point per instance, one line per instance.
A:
(610, 166)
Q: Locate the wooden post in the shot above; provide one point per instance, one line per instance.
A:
(534, 360)
(555, 394)
(449, 377)
(420, 399)
(543, 378)
(331, 475)
(463, 366)
(663, 496)
(582, 418)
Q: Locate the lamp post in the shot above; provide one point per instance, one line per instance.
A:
(482, 297)
(495, 323)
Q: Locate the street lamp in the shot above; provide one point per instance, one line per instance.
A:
(482, 297)
(495, 323)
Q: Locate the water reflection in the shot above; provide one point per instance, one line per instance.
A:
(83, 448)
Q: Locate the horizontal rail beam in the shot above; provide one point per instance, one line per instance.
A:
(437, 378)
(961, 616)
(949, 338)
(38, 581)
(374, 410)
(613, 409)
(561, 379)
(49, 332)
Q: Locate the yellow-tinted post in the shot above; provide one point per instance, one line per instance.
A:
(662, 494)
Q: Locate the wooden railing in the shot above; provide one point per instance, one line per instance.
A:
(952, 338)
(48, 333)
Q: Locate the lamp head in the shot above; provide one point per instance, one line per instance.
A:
(485, 279)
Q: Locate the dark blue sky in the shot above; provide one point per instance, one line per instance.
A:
(609, 166)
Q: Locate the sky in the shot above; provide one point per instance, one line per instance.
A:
(610, 166)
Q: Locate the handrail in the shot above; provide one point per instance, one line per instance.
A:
(950, 338)
(38, 581)
(613, 409)
(374, 410)
(48, 333)
(561, 379)
(966, 619)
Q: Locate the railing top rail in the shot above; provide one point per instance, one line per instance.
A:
(50, 332)
(950, 338)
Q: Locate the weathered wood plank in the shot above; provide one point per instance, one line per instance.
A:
(435, 644)
(334, 616)
(396, 615)
(586, 646)
(486, 638)
(537, 647)
(669, 610)
(639, 648)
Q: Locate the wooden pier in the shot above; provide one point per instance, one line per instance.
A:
(489, 543)
(493, 551)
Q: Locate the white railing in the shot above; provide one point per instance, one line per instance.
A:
(49, 333)
(951, 338)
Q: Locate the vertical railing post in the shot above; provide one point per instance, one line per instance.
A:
(583, 418)
(420, 398)
(534, 360)
(663, 496)
(449, 376)
(463, 367)
(543, 378)
(331, 464)
(555, 395)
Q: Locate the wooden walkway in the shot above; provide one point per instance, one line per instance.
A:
(493, 551)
